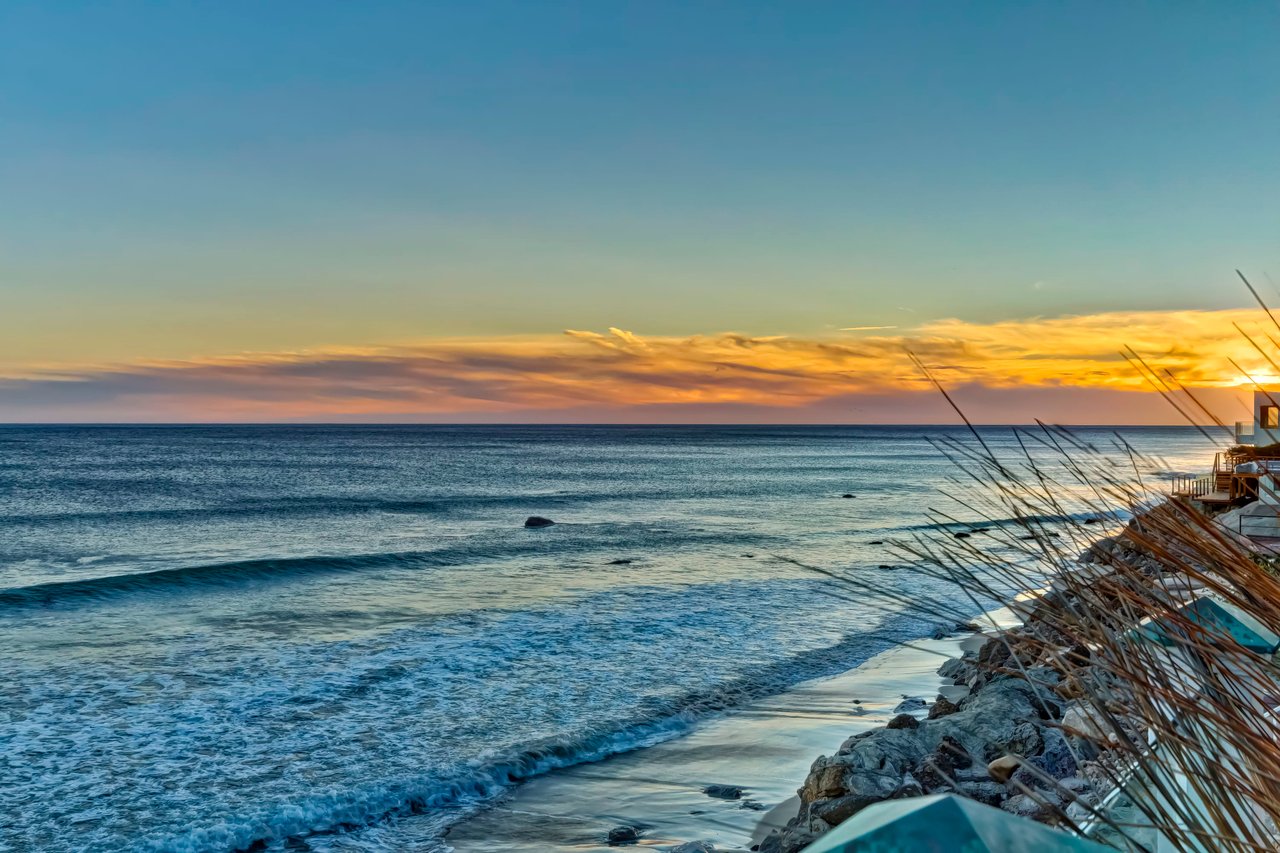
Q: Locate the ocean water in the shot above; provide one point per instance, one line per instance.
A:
(332, 638)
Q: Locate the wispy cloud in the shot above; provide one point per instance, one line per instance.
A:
(611, 373)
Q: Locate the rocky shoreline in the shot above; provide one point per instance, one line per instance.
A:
(1017, 739)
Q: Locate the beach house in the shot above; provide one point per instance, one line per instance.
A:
(1244, 479)
(1245, 472)
(1264, 429)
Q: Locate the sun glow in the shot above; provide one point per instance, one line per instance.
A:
(617, 369)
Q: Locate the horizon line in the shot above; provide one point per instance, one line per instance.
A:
(20, 424)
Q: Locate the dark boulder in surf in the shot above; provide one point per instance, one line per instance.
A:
(538, 521)
(846, 496)
(723, 792)
(623, 835)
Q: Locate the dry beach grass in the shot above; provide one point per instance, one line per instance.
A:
(1170, 724)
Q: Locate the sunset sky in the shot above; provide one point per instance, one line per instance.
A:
(646, 211)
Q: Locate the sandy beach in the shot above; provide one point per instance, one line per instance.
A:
(765, 749)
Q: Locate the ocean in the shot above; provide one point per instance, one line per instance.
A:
(343, 638)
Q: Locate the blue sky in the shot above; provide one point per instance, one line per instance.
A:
(185, 180)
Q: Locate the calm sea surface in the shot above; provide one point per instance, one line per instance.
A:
(328, 638)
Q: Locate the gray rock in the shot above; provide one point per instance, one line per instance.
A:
(1076, 785)
(976, 773)
(538, 521)
(623, 835)
(880, 765)
(1058, 759)
(910, 705)
(988, 792)
(1079, 811)
(723, 792)
(694, 847)
(1083, 721)
(837, 811)
(1026, 740)
(1024, 805)
(1056, 762)
(937, 771)
(1044, 675)
(910, 787)
(793, 840)
(954, 670)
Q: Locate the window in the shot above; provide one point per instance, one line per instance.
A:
(1269, 417)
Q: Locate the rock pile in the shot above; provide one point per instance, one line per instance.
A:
(995, 745)
(1026, 738)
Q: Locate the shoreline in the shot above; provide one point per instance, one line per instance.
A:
(760, 755)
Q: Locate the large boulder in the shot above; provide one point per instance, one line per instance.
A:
(883, 764)
(886, 763)
(956, 671)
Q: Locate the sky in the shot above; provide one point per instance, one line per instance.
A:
(618, 212)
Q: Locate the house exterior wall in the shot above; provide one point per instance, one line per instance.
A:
(1261, 434)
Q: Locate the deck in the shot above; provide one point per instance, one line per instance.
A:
(1224, 485)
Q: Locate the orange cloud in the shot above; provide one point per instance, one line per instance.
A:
(620, 371)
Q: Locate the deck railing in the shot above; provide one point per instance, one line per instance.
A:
(1223, 479)
(1193, 487)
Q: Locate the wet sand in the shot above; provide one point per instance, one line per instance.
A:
(765, 748)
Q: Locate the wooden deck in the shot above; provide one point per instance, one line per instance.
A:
(1225, 485)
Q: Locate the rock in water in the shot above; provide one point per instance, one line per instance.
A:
(624, 835)
(954, 669)
(538, 521)
(695, 847)
(723, 792)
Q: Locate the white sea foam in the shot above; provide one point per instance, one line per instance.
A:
(362, 645)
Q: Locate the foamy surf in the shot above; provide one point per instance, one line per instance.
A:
(320, 672)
